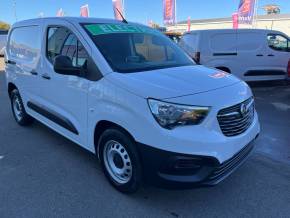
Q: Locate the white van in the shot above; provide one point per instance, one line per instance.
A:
(130, 95)
(250, 54)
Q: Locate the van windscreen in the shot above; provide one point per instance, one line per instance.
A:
(131, 48)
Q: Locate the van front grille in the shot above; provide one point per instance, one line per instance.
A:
(236, 119)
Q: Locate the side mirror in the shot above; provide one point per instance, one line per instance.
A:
(63, 65)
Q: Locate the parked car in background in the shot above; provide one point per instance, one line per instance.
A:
(250, 54)
(3, 40)
(174, 36)
(288, 70)
(130, 95)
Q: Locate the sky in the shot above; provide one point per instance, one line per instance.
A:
(135, 10)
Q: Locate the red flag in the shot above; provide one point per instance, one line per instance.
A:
(118, 6)
(188, 24)
(85, 11)
(246, 11)
(60, 13)
(235, 17)
(169, 16)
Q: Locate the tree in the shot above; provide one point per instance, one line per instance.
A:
(4, 26)
(272, 9)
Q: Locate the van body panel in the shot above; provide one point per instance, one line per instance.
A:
(166, 83)
(24, 48)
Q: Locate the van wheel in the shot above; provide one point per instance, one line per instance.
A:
(120, 161)
(19, 113)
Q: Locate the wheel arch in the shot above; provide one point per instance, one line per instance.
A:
(226, 69)
(101, 126)
(11, 87)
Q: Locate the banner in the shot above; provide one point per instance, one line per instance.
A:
(235, 17)
(118, 4)
(85, 11)
(60, 13)
(169, 12)
(246, 11)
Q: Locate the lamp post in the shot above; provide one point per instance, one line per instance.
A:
(14, 9)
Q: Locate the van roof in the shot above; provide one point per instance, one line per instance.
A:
(232, 30)
(75, 20)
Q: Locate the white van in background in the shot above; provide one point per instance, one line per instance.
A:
(250, 54)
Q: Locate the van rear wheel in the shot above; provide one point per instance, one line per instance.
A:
(120, 160)
(225, 69)
(18, 110)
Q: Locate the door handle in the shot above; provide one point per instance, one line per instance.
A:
(10, 62)
(271, 55)
(33, 73)
(259, 55)
(45, 76)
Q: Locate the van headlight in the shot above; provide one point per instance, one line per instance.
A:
(170, 115)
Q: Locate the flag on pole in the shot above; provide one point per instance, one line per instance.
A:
(85, 11)
(235, 17)
(169, 16)
(188, 24)
(118, 6)
(60, 13)
(246, 11)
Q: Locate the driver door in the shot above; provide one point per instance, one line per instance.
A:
(63, 98)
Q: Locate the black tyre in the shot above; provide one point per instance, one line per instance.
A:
(19, 113)
(225, 69)
(120, 160)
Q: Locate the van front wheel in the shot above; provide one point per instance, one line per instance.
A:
(120, 160)
(19, 113)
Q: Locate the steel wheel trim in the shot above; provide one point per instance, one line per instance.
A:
(17, 108)
(117, 162)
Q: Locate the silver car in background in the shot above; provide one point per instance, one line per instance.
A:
(3, 40)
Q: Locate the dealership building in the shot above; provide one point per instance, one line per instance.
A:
(280, 22)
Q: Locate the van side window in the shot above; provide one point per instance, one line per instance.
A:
(278, 42)
(75, 51)
(61, 41)
(69, 48)
(55, 39)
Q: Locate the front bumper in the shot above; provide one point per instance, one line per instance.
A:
(175, 170)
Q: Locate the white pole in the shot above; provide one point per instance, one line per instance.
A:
(123, 7)
(175, 11)
(256, 14)
(14, 10)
